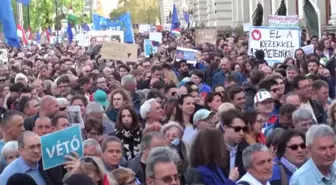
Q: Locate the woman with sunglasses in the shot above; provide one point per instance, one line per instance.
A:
(291, 154)
(210, 160)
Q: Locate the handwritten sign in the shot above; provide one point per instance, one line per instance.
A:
(277, 43)
(283, 21)
(190, 55)
(119, 51)
(3, 56)
(206, 35)
(308, 49)
(59, 144)
(156, 36)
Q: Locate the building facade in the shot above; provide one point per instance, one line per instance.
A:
(233, 13)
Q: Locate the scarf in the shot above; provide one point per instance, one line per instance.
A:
(131, 139)
(291, 167)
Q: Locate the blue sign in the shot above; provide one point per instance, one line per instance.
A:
(149, 48)
(122, 23)
(190, 55)
(59, 144)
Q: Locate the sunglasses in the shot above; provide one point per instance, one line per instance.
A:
(238, 129)
(296, 147)
(169, 179)
(62, 108)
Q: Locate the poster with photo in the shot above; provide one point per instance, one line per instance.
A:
(190, 55)
(75, 116)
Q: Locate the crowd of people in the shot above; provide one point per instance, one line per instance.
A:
(230, 119)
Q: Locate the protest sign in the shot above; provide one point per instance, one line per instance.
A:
(156, 36)
(143, 28)
(206, 35)
(190, 55)
(149, 48)
(277, 43)
(58, 144)
(119, 51)
(246, 26)
(308, 49)
(101, 36)
(75, 116)
(277, 21)
(3, 56)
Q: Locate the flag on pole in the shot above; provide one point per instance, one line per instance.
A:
(8, 23)
(69, 32)
(29, 34)
(175, 21)
(22, 34)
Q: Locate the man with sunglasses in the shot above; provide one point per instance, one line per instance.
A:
(272, 86)
(161, 170)
(232, 122)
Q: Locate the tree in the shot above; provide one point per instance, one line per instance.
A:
(116, 13)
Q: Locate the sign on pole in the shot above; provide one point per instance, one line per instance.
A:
(119, 51)
(277, 43)
(59, 144)
(206, 35)
(277, 21)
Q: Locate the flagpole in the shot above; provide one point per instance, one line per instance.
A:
(28, 15)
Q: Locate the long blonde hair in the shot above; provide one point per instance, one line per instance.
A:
(172, 79)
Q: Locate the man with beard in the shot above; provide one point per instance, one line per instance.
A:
(183, 70)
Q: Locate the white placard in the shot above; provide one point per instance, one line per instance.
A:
(3, 56)
(75, 116)
(277, 43)
(102, 36)
(156, 36)
(308, 49)
(277, 21)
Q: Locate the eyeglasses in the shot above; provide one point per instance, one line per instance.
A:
(169, 179)
(275, 90)
(238, 129)
(296, 147)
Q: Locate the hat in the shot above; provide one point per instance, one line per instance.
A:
(262, 96)
(100, 97)
(324, 61)
(79, 179)
(201, 114)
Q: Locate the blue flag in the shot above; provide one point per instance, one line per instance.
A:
(24, 2)
(8, 23)
(175, 21)
(69, 32)
(186, 17)
(86, 27)
(38, 37)
(122, 23)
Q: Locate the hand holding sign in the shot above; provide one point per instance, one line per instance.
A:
(119, 51)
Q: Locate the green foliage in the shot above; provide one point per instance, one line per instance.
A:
(117, 12)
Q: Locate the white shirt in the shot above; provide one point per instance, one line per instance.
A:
(250, 179)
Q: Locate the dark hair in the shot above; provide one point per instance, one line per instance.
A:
(318, 84)
(19, 178)
(109, 140)
(168, 87)
(285, 138)
(205, 153)
(26, 90)
(273, 138)
(63, 79)
(155, 68)
(135, 121)
(16, 87)
(297, 80)
(287, 109)
(125, 67)
(267, 84)
(8, 115)
(250, 117)
(210, 97)
(158, 85)
(199, 73)
(55, 119)
(260, 55)
(232, 91)
(256, 76)
(154, 93)
(281, 71)
(179, 113)
(79, 97)
(228, 116)
(91, 123)
(314, 61)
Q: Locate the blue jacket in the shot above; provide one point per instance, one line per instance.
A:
(276, 176)
(211, 178)
(219, 78)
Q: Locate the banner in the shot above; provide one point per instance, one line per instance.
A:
(190, 55)
(277, 21)
(122, 23)
(155, 36)
(58, 144)
(144, 28)
(120, 51)
(101, 36)
(206, 35)
(149, 48)
(277, 43)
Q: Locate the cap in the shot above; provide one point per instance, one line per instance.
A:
(100, 97)
(262, 96)
(201, 114)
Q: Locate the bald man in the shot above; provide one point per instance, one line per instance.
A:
(48, 108)
(42, 126)
(267, 70)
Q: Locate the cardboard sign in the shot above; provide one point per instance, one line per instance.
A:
(190, 55)
(149, 48)
(156, 36)
(119, 51)
(59, 144)
(277, 21)
(277, 43)
(206, 35)
(3, 56)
